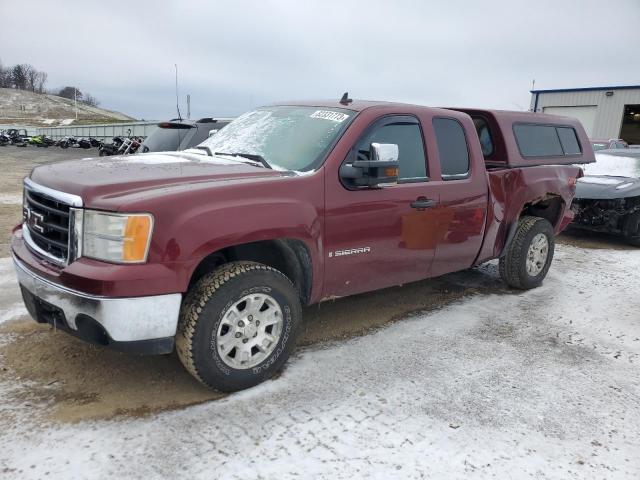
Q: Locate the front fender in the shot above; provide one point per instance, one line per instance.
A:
(193, 225)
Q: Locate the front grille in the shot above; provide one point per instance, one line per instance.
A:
(47, 220)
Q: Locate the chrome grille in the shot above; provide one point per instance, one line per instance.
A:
(48, 221)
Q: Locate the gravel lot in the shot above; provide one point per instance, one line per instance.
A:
(457, 377)
(15, 164)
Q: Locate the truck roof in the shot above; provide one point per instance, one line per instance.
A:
(506, 151)
(354, 105)
(508, 115)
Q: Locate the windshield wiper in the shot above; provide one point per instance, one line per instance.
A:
(250, 156)
(205, 148)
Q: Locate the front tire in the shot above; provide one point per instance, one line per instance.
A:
(529, 256)
(238, 326)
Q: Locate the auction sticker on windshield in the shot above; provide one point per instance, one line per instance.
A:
(329, 115)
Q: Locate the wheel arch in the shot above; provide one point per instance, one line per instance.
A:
(290, 256)
(550, 207)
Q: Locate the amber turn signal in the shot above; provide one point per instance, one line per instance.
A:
(136, 238)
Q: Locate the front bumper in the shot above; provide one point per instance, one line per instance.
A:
(132, 324)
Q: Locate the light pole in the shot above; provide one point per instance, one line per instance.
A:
(75, 100)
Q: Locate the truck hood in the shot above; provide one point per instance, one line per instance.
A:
(607, 187)
(110, 177)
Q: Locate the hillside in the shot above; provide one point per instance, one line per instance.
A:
(24, 107)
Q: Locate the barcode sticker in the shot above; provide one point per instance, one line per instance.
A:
(329, 115)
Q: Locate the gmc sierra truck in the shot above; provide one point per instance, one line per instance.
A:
(214, 250)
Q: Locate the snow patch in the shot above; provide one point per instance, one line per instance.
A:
(535, 384)
(15, 311)
(7, 272)
(10, 198)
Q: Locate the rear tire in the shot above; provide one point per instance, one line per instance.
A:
(529, 256)
(632, 229)
(238, 325)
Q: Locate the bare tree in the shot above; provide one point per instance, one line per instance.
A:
(18, 77)
(41, 81)
(26, 77)
(70, 93)
(31, 75)
(90, 100)
(5, 77)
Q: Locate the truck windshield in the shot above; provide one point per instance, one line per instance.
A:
(288, 137)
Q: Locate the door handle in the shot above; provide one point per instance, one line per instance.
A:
(423, 202)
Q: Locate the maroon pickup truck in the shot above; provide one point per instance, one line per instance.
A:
(214, 250)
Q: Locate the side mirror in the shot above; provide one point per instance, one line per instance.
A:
(213, 132)
(384, 152)
(381, 169)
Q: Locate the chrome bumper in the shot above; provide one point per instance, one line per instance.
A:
(123, 319)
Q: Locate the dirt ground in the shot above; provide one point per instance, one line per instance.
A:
(77, 381)
(15, 164)
(74, 381)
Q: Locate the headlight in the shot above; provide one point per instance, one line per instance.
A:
(115, 237)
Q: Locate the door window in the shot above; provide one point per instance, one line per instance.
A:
(408, 136)
(452, 148)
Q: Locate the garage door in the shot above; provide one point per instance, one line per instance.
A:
(586, 114)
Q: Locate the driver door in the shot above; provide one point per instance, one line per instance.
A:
(383, 236)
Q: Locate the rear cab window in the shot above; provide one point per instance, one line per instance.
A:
(537, 140)
(484, 134)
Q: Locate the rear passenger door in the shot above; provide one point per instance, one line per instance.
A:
(463, 191)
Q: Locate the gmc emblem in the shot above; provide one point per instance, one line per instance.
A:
(34, 219)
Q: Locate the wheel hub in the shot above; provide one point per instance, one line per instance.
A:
(249, 331)
(537, 254)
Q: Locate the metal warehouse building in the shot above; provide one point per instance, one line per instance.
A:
(605, 112)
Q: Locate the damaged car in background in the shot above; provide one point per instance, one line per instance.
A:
(610, 203)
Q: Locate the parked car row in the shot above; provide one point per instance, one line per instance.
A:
(173, 135)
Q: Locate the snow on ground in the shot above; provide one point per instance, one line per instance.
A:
(11, 306)
(14, 311)
(542, 384)
(10, 199)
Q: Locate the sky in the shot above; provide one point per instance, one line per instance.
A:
(233, 56)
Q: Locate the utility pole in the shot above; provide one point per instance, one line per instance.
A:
(75, 100)
(533, 87)
(188, 106)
